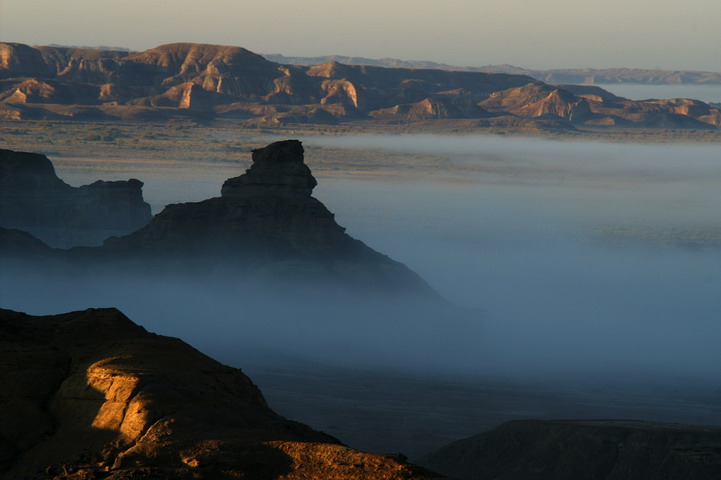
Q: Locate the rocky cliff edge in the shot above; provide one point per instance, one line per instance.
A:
(91, 395)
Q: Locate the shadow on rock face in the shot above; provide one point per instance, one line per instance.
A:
(34, 199)
(265, 227)
(91, 394)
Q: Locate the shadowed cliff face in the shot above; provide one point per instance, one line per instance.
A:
(266, 225)
(34, 199)
(92, 395)
(265, 265)
(277, 169)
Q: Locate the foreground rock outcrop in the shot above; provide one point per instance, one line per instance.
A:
(588, 449)
(35, 200)
(90, 394)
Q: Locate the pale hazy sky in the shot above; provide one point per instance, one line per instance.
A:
(670, 34)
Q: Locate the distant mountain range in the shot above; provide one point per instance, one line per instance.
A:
(584, 76)
(213, 81)
(94, 47)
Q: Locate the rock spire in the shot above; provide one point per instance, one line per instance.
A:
(278, 169)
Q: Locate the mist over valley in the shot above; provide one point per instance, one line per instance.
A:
(441, 240)
(575, 258)
(581, 279)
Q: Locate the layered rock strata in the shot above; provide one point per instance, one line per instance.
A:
(201, 80)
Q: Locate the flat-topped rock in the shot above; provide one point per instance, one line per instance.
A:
(266, 224)
(35, 200)
(277, 169)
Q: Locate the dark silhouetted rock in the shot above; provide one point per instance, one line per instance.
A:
(34, 199)
(266, 225)
(17, 242)
(587, 449)
(90, 394)
(277, 170)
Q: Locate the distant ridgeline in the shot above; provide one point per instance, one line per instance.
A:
(208, 81)
(265, 226)
(585, 76)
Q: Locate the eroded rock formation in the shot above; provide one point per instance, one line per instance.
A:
(264, 224)
(537, 101)
(277, 170)
(90, 394)
(265, 227)
(34, 199)
(224, 81)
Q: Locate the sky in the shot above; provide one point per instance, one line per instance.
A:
(667, 34)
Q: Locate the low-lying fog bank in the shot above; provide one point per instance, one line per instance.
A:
(241, 322)
(586, 258)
